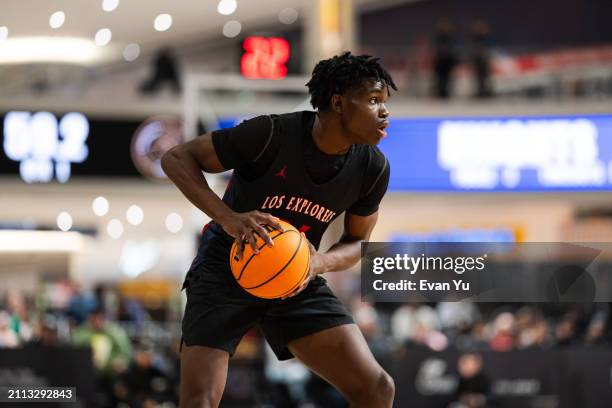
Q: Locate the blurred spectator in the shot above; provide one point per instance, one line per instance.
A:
(165, 71)
(409, 318)
(111, 351)
(286, 380)
(473, 384)
(47, 332)
(473, 338)
(130, 310)
(144, 384)
(81, 303)
(367, 319)
(457, 316)
(19, 316)
(596, 333)
(565, 332)
(479, 58)
(322, 395)
(109, 343)
(8, 338)
(503, 329)
(445, 58)
(535, 336)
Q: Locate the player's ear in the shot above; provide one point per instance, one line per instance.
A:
(336, 103)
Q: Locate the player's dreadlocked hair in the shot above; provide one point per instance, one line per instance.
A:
(338, 74)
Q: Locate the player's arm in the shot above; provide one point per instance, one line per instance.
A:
(359, 221)
(184, 164)
(347, 251)
(343, 254)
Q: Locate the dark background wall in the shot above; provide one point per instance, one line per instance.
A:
(516, 25)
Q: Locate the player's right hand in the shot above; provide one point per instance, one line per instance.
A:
(245, 227)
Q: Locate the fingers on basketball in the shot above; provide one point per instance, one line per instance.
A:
(276, 271)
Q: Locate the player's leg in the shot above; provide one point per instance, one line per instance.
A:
(341, 356)
(217, 315)
(203, 375)
(315, 327)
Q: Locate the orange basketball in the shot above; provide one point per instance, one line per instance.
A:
(274, 272)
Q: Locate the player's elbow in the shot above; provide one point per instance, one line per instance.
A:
(170, 159)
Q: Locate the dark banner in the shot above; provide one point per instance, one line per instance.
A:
(50, 367)
(551, 379)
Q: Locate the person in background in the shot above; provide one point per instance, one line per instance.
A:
(480, 58)
(503, 328)
(165, 70)
(8, 338)
(47, 332)
(111, 351)
(473, 384)
(144, 383)
(565, 331)
(19, 316)
(445, 58)
(81, 303)
(109, 343)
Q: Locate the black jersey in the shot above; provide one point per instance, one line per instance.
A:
(251, 148)
(286, 190)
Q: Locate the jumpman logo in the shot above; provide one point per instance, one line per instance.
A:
(281, 173)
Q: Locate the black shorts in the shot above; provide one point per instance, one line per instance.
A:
(219, 313)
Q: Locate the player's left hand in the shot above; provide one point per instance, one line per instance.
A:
(316, 265)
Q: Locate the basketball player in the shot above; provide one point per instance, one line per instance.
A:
(313, 166)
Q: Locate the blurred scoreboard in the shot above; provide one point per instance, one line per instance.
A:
(523, 153)
(43, 147)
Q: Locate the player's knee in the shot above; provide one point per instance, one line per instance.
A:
(378, 391)
(385, 388)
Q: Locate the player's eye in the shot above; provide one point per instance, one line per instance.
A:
(373, 100)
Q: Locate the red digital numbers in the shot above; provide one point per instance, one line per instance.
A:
(264, 57)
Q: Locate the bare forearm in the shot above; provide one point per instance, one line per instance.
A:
(186, 173)
(341, 256)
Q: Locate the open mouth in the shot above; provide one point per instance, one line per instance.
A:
(382, 129)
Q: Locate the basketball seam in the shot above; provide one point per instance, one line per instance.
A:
(299, 282)
(284, 267)
(263, 245)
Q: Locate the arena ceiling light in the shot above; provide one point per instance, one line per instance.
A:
(162, 22)
(40, 241)
(109, 5)
(64, 221)
(138, 257)
(131, 52)
(103, 37)
(232, 28)
(57, 19)
(114, 228)
(20, 50)
(288, 16)
(227, 7)
(134, 215)
(100, 206)
(174, 222)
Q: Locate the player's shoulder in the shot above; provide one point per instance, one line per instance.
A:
(292, 122)
(255, 121)
(296, 116)
(378, 157)
(375, 159)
